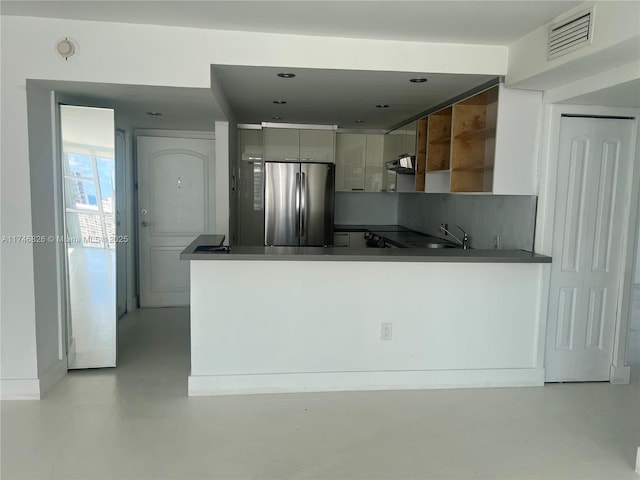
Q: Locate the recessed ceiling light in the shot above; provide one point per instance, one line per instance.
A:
(418, 80)
(279, 102)
(286, 75)
(154, 114)
(382, 106)
(358, 121)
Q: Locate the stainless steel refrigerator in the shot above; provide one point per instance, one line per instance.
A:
(298, 203)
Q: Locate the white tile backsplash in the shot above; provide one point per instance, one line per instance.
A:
(363, 208)
(512, 217)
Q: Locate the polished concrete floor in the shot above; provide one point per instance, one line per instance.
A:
(136, 422)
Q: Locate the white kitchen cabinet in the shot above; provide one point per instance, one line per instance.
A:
(341, 239)
(349, 239)
(356, 240)
(374, 179)
(317, 146)
(516, 151)
(305, 145)
(397, 143)
(281, 144)
(360, 163)
(408, 139)
(351, 150)
(393, 143)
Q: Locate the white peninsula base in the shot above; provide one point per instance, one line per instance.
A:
(297, 326)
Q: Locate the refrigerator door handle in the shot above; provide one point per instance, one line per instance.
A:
(297, 219)
(303, 203)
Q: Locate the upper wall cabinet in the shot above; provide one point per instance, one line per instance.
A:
(402, 142)
(516, 144)
(374, 173)
(350, 157)
(484, 143)
(473, 146)
(360, 163)
(317, 146)
(281, 144)
(299, 145)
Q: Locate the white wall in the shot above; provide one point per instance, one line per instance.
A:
(602, 80)
(143, 55)
(324, 333)
(616, 42)
(637, 273)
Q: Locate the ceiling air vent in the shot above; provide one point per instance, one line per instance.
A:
(570, 34)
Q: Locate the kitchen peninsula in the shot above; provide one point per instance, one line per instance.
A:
(294, 319)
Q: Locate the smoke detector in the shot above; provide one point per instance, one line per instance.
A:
(66, 47)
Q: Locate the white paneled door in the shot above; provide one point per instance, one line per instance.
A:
(594, 178)
(173, 209)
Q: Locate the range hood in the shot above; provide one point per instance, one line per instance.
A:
(405, 163)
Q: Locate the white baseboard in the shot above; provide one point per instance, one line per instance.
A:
(200, 385)
(620, 375)
(33, 388)
(19, 389)
(53, 375)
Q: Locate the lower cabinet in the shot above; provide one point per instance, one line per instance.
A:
(349, 239)
(356, 240)
(341, 239)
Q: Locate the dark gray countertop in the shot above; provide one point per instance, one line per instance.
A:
(342, 254)
(370, 228)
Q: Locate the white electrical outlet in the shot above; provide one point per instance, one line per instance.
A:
(386, 331)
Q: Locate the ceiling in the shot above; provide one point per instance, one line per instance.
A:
(477, 22)
(622, 95)
(181, 108)
(338, 97)
(313, 96)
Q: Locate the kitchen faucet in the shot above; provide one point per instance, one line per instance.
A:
(464, 243)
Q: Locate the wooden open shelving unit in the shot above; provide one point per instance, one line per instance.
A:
(439, 140)
(473, 144)
(421, 153)
(478, 134)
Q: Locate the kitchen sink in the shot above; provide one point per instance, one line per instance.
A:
(441, 245)
(406, 239)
